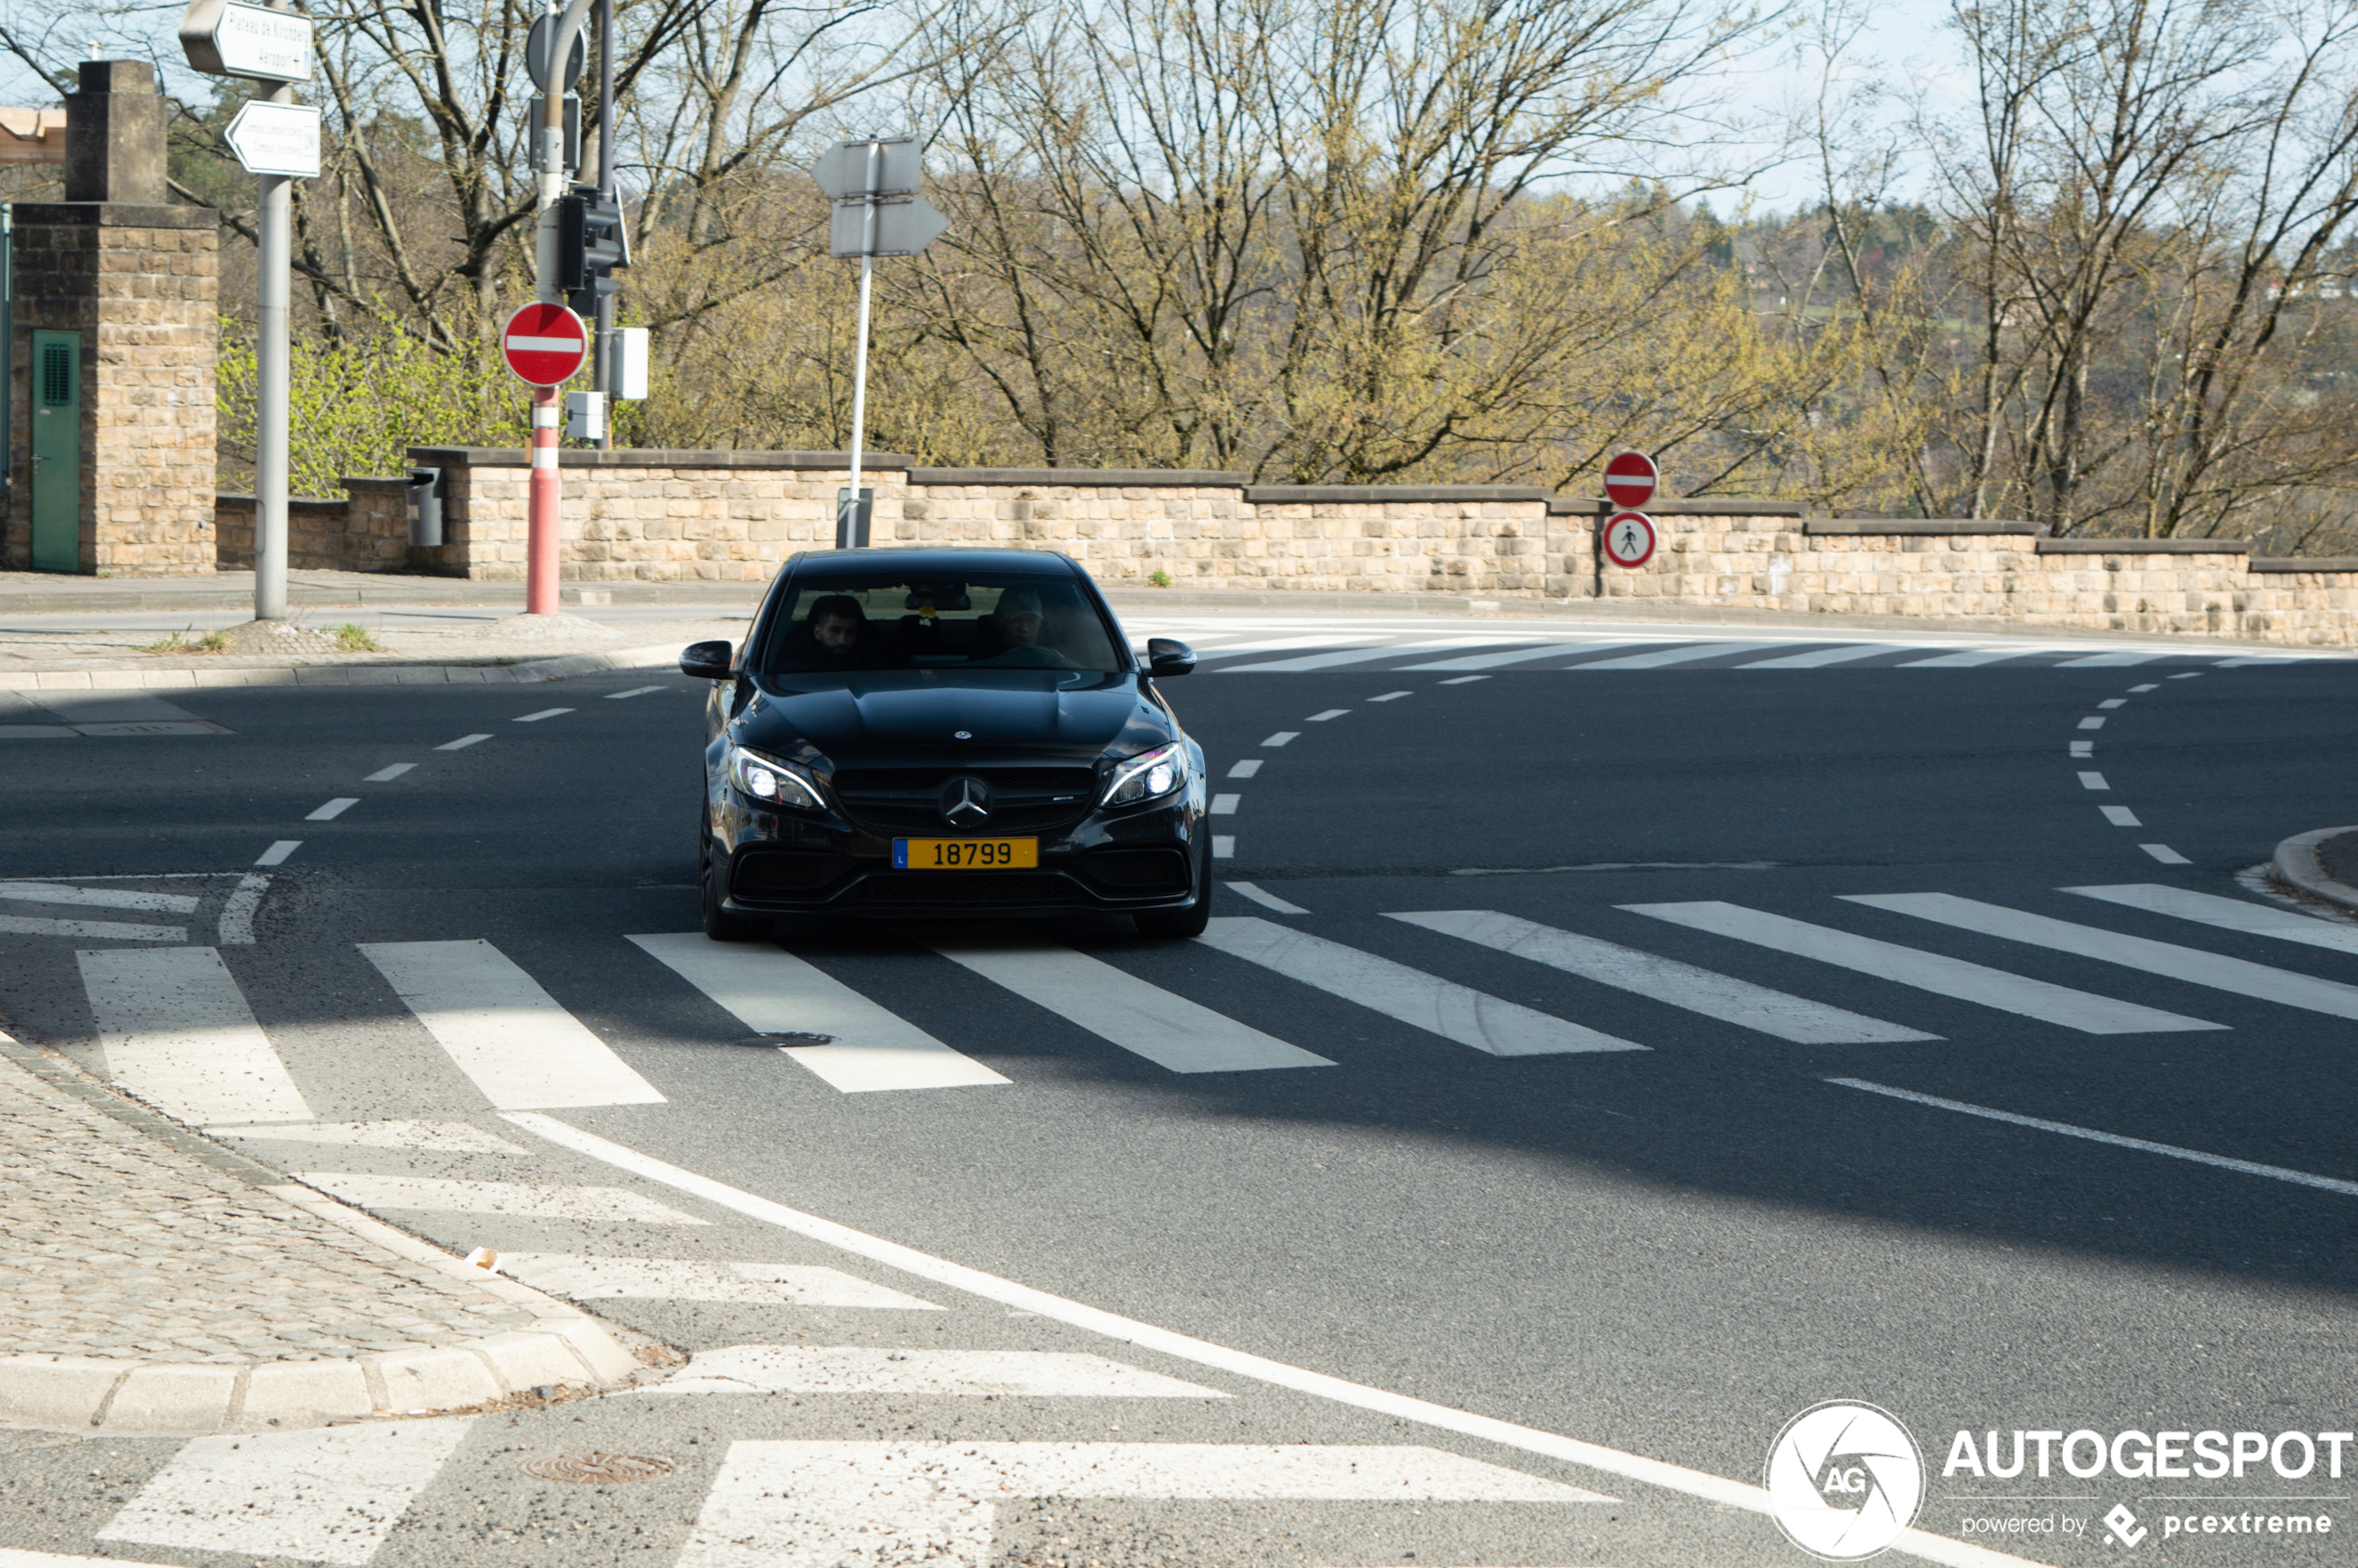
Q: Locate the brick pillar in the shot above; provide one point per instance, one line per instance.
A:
(140, 281)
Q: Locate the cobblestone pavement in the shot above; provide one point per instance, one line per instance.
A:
(119, 1244)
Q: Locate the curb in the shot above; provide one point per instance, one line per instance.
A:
(2297, 862)
(147, 676)
(93, 1394)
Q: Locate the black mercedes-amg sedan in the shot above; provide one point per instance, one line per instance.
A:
(946, 733)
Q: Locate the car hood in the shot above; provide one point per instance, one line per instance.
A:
(1073, 716)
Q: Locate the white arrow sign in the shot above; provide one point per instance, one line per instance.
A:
(277, 138)
(842, 169)
(904, 226)
(225, 38)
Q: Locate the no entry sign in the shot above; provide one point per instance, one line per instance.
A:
(1628, 539)
(1630, 478)
(545, 344)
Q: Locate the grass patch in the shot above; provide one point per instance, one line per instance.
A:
(355, 640)
(1160, 577)
(185, 642)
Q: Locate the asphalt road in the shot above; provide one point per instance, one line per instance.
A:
(1669, 1252)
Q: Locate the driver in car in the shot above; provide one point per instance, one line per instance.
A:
(834, 633)
(1017, 621)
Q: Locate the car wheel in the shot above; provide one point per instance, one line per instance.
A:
(1181, 923)
(719, 924)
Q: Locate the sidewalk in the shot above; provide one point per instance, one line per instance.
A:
(151, 1280)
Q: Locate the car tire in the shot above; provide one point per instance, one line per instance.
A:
(719, 924)
(1180, 923)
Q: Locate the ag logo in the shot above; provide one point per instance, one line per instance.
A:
(1845, 1479)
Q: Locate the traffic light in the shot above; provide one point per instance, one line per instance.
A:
(590, 246)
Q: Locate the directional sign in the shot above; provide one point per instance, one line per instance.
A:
(1628, 539)
(842, 169)
(545, 344)
(903, 227)
(225, 38)
(277, 138)
(1630, 479)
(536, 49)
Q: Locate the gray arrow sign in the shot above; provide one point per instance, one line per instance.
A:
(904, 226)
(842, 171)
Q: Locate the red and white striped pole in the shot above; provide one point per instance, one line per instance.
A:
(544, 508)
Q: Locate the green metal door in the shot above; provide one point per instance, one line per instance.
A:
(57, 452)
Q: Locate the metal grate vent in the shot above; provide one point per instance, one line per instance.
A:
(57, 374)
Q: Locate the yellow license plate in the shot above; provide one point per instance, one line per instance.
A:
(964, 854)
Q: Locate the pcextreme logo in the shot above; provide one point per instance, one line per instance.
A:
(1844, 1480)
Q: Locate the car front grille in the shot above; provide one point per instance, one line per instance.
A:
(892, 801)
(767, 872)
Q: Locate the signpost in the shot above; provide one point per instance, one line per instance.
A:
(545, 345)
(1628, 538)
(878, 213)
(277, 141)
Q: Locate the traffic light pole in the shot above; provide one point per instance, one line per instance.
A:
(602, 343)
(545, 503)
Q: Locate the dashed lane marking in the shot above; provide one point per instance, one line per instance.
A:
(1464, 680)
(277, 854)
(544, 713)
(2120, 816)
(1322, 717)
(2083, 748)
(333, 808)
(386, 775)
(2093, 722)
(235, 923)
(462, 743)
(2092, 781)
(634, 692)
(1226, 805)
(1391, 696)
(1281, 737)
(2165, 854)
(1245, 769)
(2113, 703)
(1224, 846)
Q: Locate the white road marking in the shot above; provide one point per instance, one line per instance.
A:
(2083, 748)
(2093, 722)
(544, 713)
(1335, 659)
(97, 898)
(2249, 1168)
(1391, 696)
(807, 1285)
(1245, 769)
(2187, 675)
(437, 1194)
(175, 1029)
(1666, 979)
(1266, 899)
(2108, 661)
(441, 1137)
(327, 1495)
(2165, 854)
(770, 992)
(2227, 914)
(2120, 816)
(2092, 781)
(1442, 1007)
(1167, 1029)
(1822, 657)
(1970, 657)
(1281, 737)
(277, 854)
(1674, 656)
(2113, 703)
(1024, 1299)
(2167, 959)
(876, 1369)
(239, 909)
(1517, 656)
(1224, 846)
(1934, 972)
(461, 743)
(90, 931)
(1225, 805)
(634, 692)
(12, 1558)
(386, 775)
(333, 808)
(522, 1049)
(831, 1505)
(1464, 680)
(2148, 686)
(1322, 717)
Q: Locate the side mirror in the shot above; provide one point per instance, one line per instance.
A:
(708, 661)
(1168, 655)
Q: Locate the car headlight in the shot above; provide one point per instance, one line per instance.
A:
(1147, 776)
(773, 782)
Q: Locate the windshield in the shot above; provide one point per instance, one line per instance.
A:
(888, 621)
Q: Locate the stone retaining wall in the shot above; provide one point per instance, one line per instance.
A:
(735, 516)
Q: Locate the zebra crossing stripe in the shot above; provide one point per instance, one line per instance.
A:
(522, 1049)
(1168, 1029)
(12, 1558)
(328, 1496)
(1822, 657)
(177, 1032)
(1442, 1007)
(804, 1285)
(594, 1204)
(919, 1370)
(89, 930)
(97, 898)
(1676, 655)
(1355, 656)
(1934, 972)
(772, 991)
(1521, 656)
(2167, 959)
(2109, 661)
(1666, 979)
(2228, 914)
(1973, 656)
(818, 1504)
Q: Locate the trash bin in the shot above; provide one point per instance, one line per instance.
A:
(425, 507)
